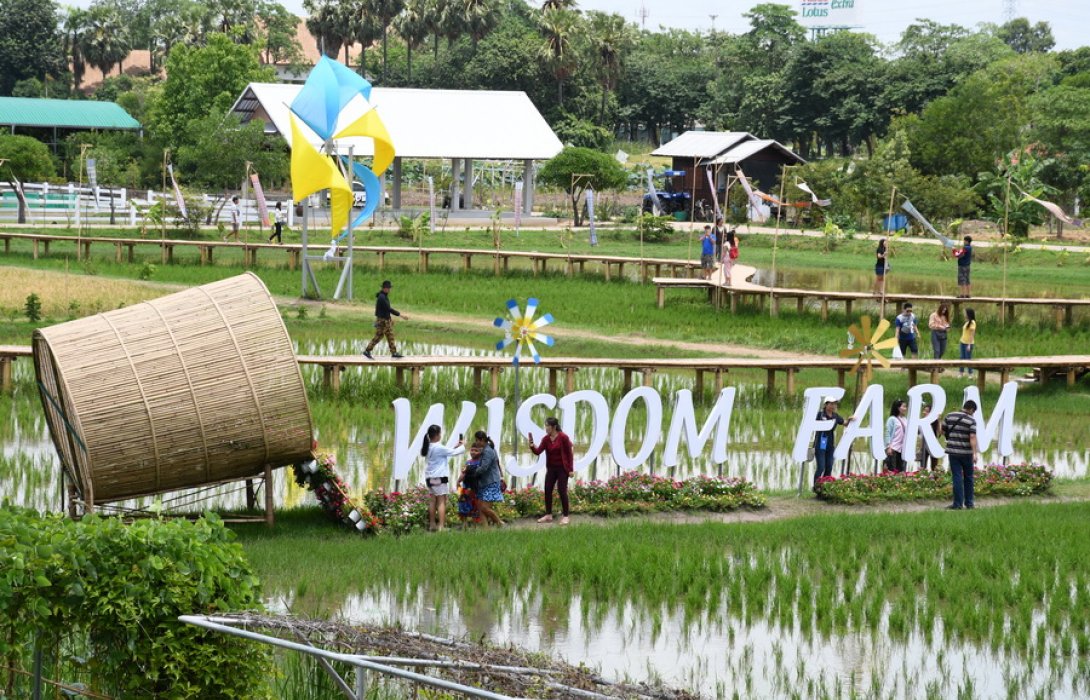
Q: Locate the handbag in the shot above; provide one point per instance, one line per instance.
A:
(734, 253)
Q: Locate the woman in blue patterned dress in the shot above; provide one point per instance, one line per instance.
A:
(488, 476)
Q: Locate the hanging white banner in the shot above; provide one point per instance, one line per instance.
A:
(590, 218)
(714, 191)
(813, 197)
(656, 204)
(178, 199)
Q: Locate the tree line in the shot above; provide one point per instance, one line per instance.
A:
(944, 110)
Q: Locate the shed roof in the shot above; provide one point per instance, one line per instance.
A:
(743, 151)
(65, 114)
(482, 124)
(702, 144)
(749, 149)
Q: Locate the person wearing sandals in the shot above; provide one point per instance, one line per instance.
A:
(487, 478)
(437, 474)
(559, 466)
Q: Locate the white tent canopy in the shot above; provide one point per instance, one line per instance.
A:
(463, 125)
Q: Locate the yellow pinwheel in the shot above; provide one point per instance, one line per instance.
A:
(867, 345)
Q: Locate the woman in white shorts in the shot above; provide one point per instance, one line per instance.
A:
(437, 474)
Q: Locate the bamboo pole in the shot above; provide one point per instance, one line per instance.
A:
(889, 249)
(1006, 240)
(776, 244)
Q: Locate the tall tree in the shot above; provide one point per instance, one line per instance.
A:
(106, 39)
(203, 80)
(966, 131)
(75, 26)
(479, 17)
(30, 44)
(560, 29)
(831, 90)
(1024, 37)
(383, 13)
(330, 26)
(611, 38)
(276, 27)
(412, 26)
(773, 33)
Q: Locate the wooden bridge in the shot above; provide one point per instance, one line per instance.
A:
(124, 250)
(409, 371)
(721, 294)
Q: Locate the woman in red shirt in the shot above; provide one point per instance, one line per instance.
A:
(559, 465)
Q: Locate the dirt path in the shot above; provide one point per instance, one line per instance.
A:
(788, 507)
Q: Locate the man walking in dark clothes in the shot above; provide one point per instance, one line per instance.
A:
(384, 322)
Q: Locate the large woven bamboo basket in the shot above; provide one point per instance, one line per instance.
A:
(194, 388)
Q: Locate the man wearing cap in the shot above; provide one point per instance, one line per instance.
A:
(825, 441)
(384, 322)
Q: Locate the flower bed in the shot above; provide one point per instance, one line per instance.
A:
(992, 480)
(627, 494)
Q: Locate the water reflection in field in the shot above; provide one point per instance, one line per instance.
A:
(720, 654)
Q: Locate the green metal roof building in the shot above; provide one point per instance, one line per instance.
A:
(38, 116)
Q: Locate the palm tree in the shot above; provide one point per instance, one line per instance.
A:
(611, 38)
(412, 26)
(384, 11)
(479, 17)
(327, 25)
(106, 41)
(433, 17)
(559, 28)
(548, 5)
(75, 26)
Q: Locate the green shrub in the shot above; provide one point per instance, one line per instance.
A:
(28, 158)
(33, 308)
(656, 229)
(114, 592)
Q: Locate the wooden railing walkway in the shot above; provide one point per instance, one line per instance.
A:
(124, 249)
(721, 295)
(685, 273)
(1072, 366)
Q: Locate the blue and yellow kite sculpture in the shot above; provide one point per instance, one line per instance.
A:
(329, 89)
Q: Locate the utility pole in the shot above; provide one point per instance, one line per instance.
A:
(713, 22)
(643, 15)
(1010, 9)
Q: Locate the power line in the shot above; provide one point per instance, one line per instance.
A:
(1010, 9)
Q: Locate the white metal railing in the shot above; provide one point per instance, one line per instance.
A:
(362, 663)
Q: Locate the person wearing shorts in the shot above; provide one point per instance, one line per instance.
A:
(437, 474)
(707, 252)
(964, 255)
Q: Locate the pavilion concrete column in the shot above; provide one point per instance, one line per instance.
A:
(395, 201)
(456, 187)
(527, 187)
(468, 186)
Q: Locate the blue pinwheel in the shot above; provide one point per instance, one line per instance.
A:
(522, 331)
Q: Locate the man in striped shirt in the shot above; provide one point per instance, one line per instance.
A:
(960, 430)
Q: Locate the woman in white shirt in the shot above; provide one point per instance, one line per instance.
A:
(896, 426)
(437, 474)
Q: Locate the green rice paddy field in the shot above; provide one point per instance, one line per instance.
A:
(807, 600)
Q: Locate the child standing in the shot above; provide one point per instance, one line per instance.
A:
(968, 339)
(467, 488)
(437, 474)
